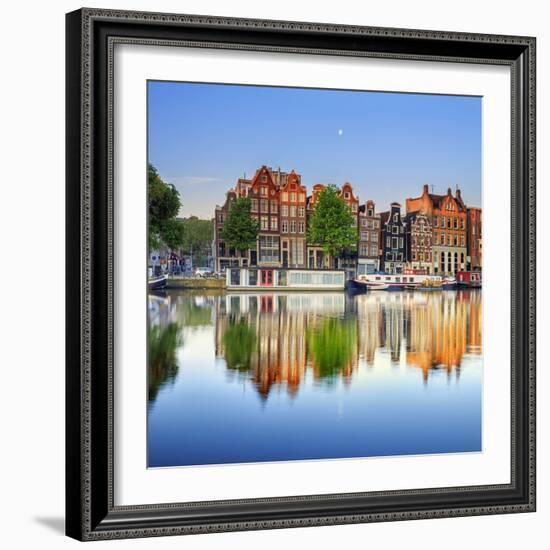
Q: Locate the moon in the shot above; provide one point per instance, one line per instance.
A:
(340, 132)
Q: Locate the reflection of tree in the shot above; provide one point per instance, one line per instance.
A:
(331, 347)
(163, 364)
(239, 341)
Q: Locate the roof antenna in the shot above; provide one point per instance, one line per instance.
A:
(432, 186)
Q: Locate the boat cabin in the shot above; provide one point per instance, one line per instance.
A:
(269, 278)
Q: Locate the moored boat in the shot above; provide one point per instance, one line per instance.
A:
(157, 283)
(386, 281)
(468, 279)
(449, 283)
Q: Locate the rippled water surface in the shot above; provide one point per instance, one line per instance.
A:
(294, 376)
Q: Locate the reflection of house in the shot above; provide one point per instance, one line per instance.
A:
(274, 340)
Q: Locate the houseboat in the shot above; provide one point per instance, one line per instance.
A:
(268, 278)
(399, 281)
(468, 279)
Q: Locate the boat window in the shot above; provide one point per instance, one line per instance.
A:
(388, 278)
(377, 278)
(411, 279)
(398, 279)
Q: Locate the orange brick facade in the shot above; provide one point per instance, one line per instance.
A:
(442, 234)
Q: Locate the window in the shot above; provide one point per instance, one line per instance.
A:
(364, 250)
(456, 240)
(373, 250)
(254, 205)
(285, 196)
(264, 204)
(443, 221)
(301, 227)
(292, 197)
(436, 220)
(388, 243)
(269, 248)
(301, 211)
(354, 207)
(443, 239)
(456, 223)
(284, 226)
(284, 210)
(462, 240)
(274, 224)
(462, 223)
(263, 191)
(346, 195)
(395, 230)
(293, 226)
(292, 211)
(264, 179)
(370, 212)
(375, 224)
(395, 242)
(274, 207)
(400, 242)
(364, 235)
(414, 254)
(396, 218)
(302, 197)
(449, 223)
(364, 222)
(370, 224)
(436, 241)
(264, 222)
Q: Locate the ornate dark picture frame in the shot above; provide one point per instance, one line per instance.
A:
(91, 513)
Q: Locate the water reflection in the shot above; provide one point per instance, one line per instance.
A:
(373, 351)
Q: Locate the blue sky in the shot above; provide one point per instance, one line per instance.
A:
(202, 137)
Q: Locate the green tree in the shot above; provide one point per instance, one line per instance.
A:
(197, 238)
(240, 229)
(332, 224)
(164, 205)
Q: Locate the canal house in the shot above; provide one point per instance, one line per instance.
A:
(392, 230)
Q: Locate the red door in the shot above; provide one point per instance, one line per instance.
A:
(266, 277)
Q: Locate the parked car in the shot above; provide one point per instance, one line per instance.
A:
(203, 271)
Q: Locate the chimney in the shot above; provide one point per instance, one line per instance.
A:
(458, 196)
(425, 191)
(449, 192)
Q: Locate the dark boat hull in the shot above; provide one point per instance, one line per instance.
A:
(158, 283)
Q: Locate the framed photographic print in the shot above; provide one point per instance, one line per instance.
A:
(300, 274)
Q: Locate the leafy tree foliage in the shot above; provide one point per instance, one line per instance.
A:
(164, 205)
(332, 224)
(197, 238)
(240, 229)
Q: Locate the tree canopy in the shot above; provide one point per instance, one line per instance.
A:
(240, 229)
(164, 205)
(332, 224)
(197, 238)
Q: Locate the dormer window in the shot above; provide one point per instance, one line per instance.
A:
(346, 195)
(396, 218)
(264, 178)
(370, 212)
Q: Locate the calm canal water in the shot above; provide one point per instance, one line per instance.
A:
(294, 376)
